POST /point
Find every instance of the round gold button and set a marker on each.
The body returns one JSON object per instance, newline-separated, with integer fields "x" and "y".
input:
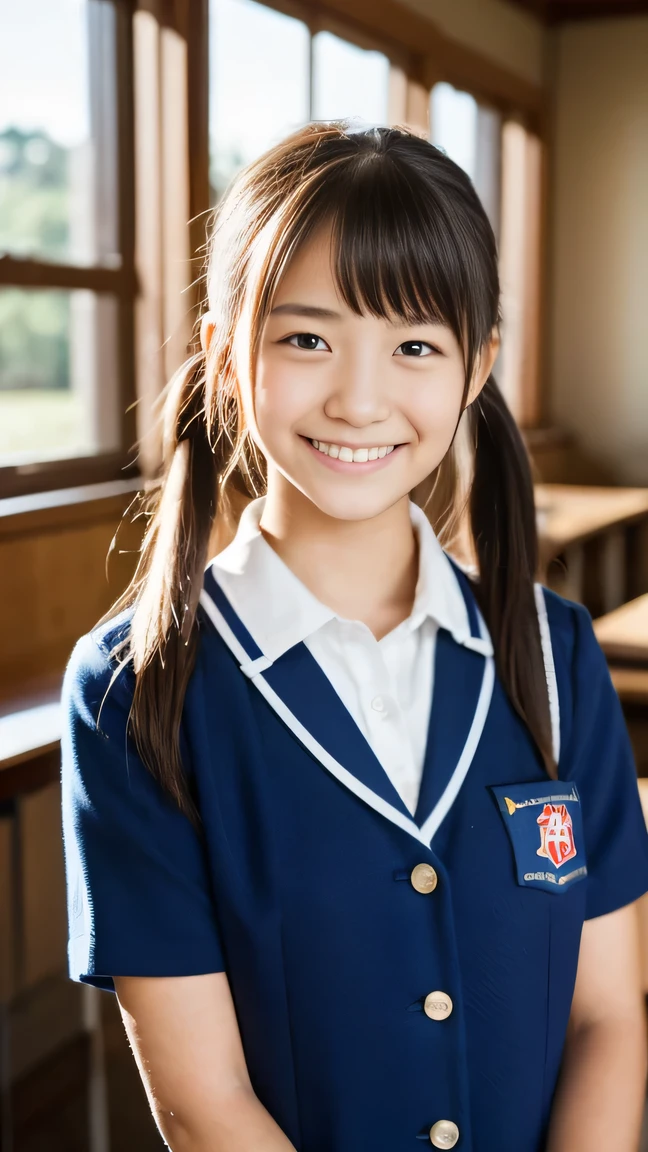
{"x": 424, "y": 878}
{"x": 444, "y": 1134}
{"x": 438, "y": 1005}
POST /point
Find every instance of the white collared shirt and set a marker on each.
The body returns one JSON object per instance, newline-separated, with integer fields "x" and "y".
{"x": 385, "y": 684}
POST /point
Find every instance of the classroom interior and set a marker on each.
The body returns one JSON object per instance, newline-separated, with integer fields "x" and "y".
{"x": 121, "y": 123}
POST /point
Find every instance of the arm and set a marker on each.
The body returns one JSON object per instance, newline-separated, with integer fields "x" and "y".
{"x": 186, "y": 1042}
{"x": 601, "y": 1092}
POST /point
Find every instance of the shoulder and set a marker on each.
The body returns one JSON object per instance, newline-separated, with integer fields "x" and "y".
{"x": 98, "y": 664}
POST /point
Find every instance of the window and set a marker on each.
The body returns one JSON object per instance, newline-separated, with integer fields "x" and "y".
{"x": 64, "y": 371}
{"x": 270, "y": 74}
{"x": 470, "y": 134}
{"x": 58, "y": 374}
{"x": 259, "y": 83}
{"x": 348, "y": 82}
{"x": 503, "y": 159}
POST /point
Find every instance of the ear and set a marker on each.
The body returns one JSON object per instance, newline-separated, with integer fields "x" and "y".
{"x": 207, "y": 328}
{"x": 484, "y": 365}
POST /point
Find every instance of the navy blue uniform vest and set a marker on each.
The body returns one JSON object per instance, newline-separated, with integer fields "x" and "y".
{"x": 301, "y": 885}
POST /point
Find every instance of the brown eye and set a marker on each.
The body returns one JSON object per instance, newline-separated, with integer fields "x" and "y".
{"x": 308, "y": 341}
{"x": 414, "y": 348}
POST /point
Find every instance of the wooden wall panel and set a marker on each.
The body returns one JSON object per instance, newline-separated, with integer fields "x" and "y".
{"x": 6, "y": 963}
{"x": 53, "y": 588}
{"x": 56, "y": 580}
{"x": 44, "y": 912}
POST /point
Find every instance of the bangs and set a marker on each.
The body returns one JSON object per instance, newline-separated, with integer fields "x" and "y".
{"x": 392, "y": 250}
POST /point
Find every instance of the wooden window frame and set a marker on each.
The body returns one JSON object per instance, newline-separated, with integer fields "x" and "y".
{"x": 119, "y": 283}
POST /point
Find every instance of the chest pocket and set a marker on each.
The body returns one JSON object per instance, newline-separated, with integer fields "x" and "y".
{"x": 545, "y": 826}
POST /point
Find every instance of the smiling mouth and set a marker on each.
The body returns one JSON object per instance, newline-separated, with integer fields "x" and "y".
{"x": 352, "y": 455}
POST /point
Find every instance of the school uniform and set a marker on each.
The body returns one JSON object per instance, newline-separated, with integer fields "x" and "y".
{"x": 392, "y": 883}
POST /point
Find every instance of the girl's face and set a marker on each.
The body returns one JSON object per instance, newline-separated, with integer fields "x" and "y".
{"x": 353, "y": 411}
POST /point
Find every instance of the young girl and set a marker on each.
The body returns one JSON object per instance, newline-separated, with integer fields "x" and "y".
{"x": 354, "y": 837}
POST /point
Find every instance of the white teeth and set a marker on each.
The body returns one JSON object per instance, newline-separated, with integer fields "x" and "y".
{"x": 352, "y": 455}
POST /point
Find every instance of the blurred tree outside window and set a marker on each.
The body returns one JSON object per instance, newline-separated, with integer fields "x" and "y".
{"x": 59, "y": 395}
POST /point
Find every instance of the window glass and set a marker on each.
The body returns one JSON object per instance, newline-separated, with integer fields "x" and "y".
{"x": 58, "y": 166}
{"x": 58, "y": 374}
{"x": 348, "y": 82}
{"x": 259, "y": 83}
{"x": 453, "y": 118}
{"x": 470, "y": 133}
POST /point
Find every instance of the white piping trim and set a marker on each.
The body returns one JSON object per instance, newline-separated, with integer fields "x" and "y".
{"x": 427, "y": 831}
{"x": 451, "y": 791}
{"x": 550, "y": 670}
{"x": 253, "y": 667}
{"x": 481, "y": 644}
{"x": 307, "y": 739}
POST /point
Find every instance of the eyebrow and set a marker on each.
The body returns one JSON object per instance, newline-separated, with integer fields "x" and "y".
{"x": 305, "y": 310}
{"x": 314, "y": 312}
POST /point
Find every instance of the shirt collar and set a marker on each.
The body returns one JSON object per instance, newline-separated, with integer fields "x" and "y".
{"x": 279, "y": 611}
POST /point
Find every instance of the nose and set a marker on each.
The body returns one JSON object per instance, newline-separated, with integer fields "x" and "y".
{"x": 357, "y": 394}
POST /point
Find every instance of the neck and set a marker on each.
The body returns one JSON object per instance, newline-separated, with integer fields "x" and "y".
{"x": 362, "y": 569}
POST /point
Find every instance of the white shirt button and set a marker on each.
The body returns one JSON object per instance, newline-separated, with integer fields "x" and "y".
{"x": 378, "y": 704}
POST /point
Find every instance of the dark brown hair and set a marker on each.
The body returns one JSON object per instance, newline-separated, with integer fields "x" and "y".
{"x": 411, "y": 241}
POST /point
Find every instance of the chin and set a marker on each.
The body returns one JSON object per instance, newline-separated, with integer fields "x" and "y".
{"x": 352, "y": 505}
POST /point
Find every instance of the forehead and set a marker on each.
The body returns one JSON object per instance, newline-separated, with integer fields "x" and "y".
{"x": 310, "y": 280}
{"x": 364, "y": 269}
{"x": 310, "y": 274}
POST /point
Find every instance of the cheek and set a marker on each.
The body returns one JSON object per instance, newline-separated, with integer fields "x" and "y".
{"x": 280, "y": 396}
{"x": 434, "y": 407}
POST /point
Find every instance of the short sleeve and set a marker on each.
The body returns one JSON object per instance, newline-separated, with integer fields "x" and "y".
{"x": 139, "y": 899}
{"x": 602, "y": 765}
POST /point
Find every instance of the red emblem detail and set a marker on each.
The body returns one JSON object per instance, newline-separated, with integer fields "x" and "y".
{"x": 556, "y": 834}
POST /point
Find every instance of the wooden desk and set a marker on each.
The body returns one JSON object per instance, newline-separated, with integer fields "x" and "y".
{"x": 623, "y": 634}
{"x": 30, "y": 730}
{"x": 631, "y": 685}
{"x": 570, "y": 516}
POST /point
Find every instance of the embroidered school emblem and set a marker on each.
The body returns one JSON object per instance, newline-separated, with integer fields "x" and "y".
{"x": 556, "y": 834}
{"x": 551, "y": 812}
